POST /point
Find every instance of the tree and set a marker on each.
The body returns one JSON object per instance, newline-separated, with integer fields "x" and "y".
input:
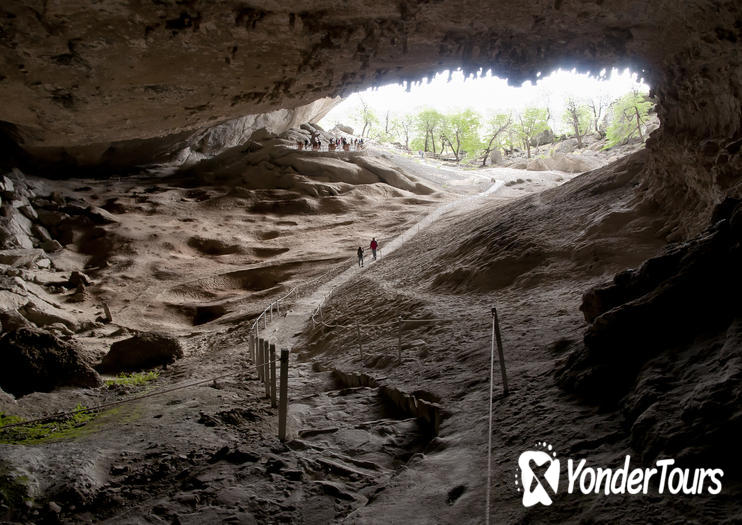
{"x": 530, "y": 123}
{"x": 495, "y": 128}
{"x": 460, "y": 131}
{"x": 598, "y": 104}
{"x": 578, "y": 118}
{"x": 426, "y": 124}
{"x": 630, "y": 113}
{"x": 365, "y": 114}
{"x": 402, "y": 127}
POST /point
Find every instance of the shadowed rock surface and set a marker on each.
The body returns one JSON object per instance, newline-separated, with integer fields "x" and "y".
{"x": 663, "y": 345}
{"x": 140, "y": 352}
{"x": 36, "y": 361}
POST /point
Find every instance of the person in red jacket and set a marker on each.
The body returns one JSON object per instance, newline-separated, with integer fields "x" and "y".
{"x": 374, "y": 246}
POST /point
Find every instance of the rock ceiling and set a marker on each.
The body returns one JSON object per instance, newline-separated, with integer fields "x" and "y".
{"x": 82, "y": 72}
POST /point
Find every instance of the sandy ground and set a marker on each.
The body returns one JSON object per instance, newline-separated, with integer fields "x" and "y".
{"x": 209, "y": 453}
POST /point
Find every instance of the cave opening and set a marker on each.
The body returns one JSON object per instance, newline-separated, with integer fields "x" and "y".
{"x": 480, "y": 119}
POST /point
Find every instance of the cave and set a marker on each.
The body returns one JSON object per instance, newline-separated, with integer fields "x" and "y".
{"x": 146, "y": 161}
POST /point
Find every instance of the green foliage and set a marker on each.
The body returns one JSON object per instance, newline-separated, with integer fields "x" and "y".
{"x": 133, "y": 379}
{"x": 14, "y": 490}
{"x": 630, "y": 113}
{"x": 40, "y": 432}
{"x": 460, "y": 132}
{"x": 529, "y": 124}
{"x": 427, "y": 124}
{"x": 578, "y": 119}
{"x": 495, "y": 134}
{"x": 364, "y": 118}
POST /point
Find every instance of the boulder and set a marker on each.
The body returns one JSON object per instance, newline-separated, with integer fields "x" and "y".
{"x": 11, "y": 320}
{"x": 20, "y": 258}
{"x": 41, "y": 233}
{"x": 77, "y": 279}
{"x": 42, "y": 314}
{"x": 100, "y": 216}
{"x": 6, "y": 186}
{"x": 51, "y": 246}
{"x": 36, "y": 361}
{"x": 50, "y": 218}
{"x": 142, "y": 351}
{"x": 566, "y": 146}
{"x": 344, "y": 128}
{"x": 15, "y": 230}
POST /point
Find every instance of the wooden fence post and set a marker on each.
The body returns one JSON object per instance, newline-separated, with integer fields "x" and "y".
{"x": 283, "y": 394}
{"x": 274, "y": 404}
{"x": 259, "y": 358}
{"x": 500, "y": 352}
{"x": 266, "y": 372}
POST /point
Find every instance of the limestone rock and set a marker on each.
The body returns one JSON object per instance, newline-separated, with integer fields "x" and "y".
{"x": 42, "y": 314}
{"x": 20, "y": 258}
{"x": 677, "y": 315}
{"x": 78, "y": 279}
{"x": 36, "y": 361}
{"x": 50, "y": 218}
{"x": 6, "y": 185}
{"x": 142, "y": 351}
{"x": 345, "y": 129}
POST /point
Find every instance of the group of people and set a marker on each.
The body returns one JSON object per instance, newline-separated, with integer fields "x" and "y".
{"x": 374, "y": 246}
{"x": 316, "y": 144}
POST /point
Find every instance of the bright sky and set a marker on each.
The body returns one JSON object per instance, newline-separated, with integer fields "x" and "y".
{"x": 487, "y": 93}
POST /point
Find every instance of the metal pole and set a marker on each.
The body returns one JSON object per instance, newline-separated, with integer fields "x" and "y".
{"x": 266, "y": 373}
{"x": 271, "y": 312}
{"x": 283, "y": 394}
{"x": 274, "y": 404}
{"x": 399, "y": 338}
{"x": 500, "y": 352}
{"x": 278, "y": 307}
{"x": 489, "y": 434}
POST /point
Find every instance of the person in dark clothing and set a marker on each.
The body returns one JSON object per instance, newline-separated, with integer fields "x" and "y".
{"x": 360, "y": 257}
{"x": 374, "y": 246}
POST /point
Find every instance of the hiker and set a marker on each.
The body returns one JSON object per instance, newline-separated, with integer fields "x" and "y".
{"x": 374, "y": 245}
{"x": 360, "y": 257}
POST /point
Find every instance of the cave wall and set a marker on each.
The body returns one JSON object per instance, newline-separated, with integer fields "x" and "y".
{"x": 82, "y": 73}
{"x": 183, "y": 148}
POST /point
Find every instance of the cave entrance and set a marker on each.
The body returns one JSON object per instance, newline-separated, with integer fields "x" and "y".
{"x": 565, "y": 121}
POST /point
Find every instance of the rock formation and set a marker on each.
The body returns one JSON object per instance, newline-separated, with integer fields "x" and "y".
{"x": 677, "y": 316}
{"x": 142, "y": 351}
{"x": 36, "y": 361}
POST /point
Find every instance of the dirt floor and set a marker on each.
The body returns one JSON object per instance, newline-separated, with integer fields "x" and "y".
{"x": 371, "y": 438}
{"x": 200, "y": 263}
